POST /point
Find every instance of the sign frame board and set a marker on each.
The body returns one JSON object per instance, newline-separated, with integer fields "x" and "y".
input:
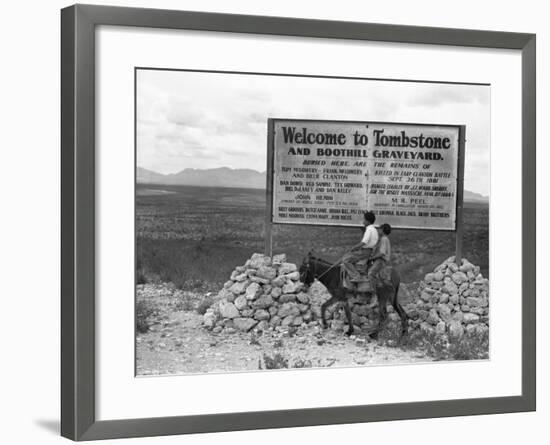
{"x": 271, "y": 176}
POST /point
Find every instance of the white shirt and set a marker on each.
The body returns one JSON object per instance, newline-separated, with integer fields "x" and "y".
{"x": 370, "y": 237}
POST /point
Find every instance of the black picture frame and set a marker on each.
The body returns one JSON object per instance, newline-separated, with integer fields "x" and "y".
{"x": 78, "y": 23}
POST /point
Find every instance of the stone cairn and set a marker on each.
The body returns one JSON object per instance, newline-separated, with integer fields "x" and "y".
{"x": 453, "y": 300}
{"x": 262, "y": 293}
{"x": 266, "y": 294}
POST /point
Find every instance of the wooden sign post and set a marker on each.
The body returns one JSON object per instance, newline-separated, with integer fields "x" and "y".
{"x": 460, "y": 194}
{"x": 269, "y": 190}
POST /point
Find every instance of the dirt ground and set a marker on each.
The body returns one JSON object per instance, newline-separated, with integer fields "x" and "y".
{"x": 176, "y": 343}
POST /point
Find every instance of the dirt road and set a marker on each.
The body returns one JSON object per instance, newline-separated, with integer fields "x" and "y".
{"x": 178, "y": 344}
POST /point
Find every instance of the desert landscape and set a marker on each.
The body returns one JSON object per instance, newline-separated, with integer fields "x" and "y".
{"x": 189, "y": 240}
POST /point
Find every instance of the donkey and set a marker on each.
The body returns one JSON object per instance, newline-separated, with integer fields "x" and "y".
{"x": 386, "y": 289}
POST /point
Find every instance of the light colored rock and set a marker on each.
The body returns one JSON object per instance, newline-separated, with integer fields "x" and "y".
{"x": 287, "y": 321}
{"x": 425, "y": 327}
{"x": 433, "y": 318}
{"x": 263, "y": 302}
{"x": 429, "y": 278}
{"x": 244, "y": 324}
{"x": 458, "y": 316}
{"x": 228, "y": 284}
{"x": 303, "y": 298}
{"x": 241, "y": 277}
{"x": 481, "y": 329}
{"x": 456, "y": 330}
{"x": 224, "y": 293}
{"x": 477, "y": 310}
{"x": 266, "y": 272}
{"x": 209, "y": 319}
{"x": 261, "y": 314}
{"x": 423, "y": 315}
{"x": 426, "y": 296}
{"x": 252, "y": 291}
{"x": 228, "y": 310}
{"x": 287, "y": 268}
{"x": 471, "y": 318}
{"x": 460, "y": 277}
{"x": 292, "y": 287}
{"x": 285, "y": 298}
{"x": 288, "y": 309}
{"x": 463, "y": 287}
{"x": 258, "y": 260}
{"x": 294, "y": 276}
{"x": 239, "y": 287}
{"x": 241, "y": 302}
{"x": 247, "y": 312}
{"x": 262, "y": 326}
{"x": 444, "y": 312}
{"x": 279, "y": 259}
{"x": 297, "y": 321}
{"x": 474, "y": 302}
{"x": 454, "y": 299}
{"x": 276, "y": 292}
{"x": 279, "y": 281}
{"x": 450, "y": 288}
{"x": 440, "y": 328}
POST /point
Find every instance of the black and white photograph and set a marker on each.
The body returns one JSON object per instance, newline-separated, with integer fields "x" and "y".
{"x": 287, "y": 221}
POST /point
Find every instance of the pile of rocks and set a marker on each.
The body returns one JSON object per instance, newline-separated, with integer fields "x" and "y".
{"x": 453, "y": 300}
{"x": 265, "y": 292}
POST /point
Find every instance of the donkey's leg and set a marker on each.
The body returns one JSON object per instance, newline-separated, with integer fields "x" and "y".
{"x": 382, "y": 312}
{"x": 400, "y": 311}
{"x": 348, "y": 314}
{"x": 402, "y": 314}
{"x": 324, "y": 307}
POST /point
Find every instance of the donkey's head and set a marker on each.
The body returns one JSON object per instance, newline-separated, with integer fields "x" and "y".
{"x": 307, "y": 272}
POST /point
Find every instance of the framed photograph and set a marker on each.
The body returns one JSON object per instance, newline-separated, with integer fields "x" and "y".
{"x": 253, "y": 206}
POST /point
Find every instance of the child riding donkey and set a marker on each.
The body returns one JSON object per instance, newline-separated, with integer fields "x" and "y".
{"x": 374, "y": 249}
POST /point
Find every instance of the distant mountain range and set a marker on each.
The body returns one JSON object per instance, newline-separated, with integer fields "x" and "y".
{"x": 474, "y": 197}
{"x": 228, "y": 177}
{"x": 213, "y": 177}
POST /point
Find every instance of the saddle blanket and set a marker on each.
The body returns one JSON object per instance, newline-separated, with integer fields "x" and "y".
{"x": 383, "y": 277}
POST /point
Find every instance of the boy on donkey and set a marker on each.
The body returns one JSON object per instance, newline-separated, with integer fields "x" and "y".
{"x": 363, "y": 250}
{"x": 382, "y": 252}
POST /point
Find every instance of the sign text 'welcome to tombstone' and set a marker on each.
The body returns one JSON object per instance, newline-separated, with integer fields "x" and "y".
{"x": 331, "y": 172}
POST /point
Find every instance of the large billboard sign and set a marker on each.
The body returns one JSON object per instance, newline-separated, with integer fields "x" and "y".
{"x": 331, "y": 172}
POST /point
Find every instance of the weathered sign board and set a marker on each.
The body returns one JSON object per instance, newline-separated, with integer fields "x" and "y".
{"x": 331, "y": 172}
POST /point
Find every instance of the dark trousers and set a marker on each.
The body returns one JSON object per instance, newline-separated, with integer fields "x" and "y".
{"x": 350, "y": 258}
{"x": 375, "y": 267}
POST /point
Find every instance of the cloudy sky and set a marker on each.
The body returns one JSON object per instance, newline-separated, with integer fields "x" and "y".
{"x": 208, "y": 120}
